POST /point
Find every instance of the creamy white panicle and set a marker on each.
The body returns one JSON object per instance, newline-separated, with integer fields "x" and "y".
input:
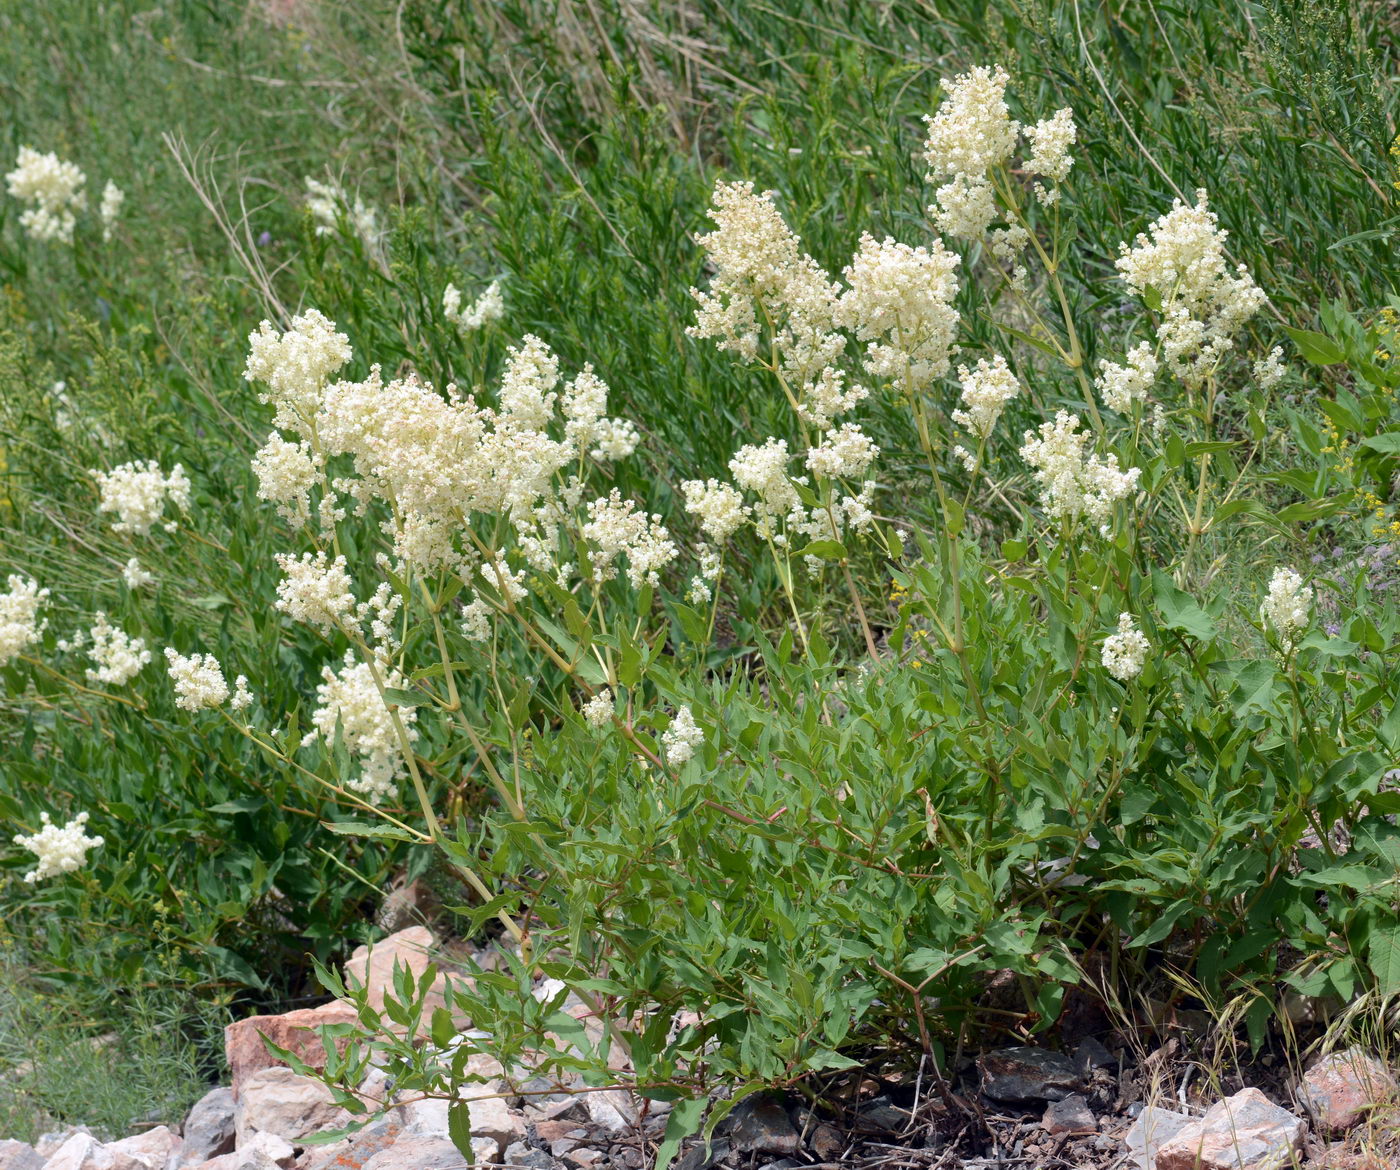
{"x": 54, "y": 187}
{"x": 845, "y": 453}
{"x": 720, "y": 507}
{"x": 351, "y": 701}
{"x": 317, "y": 591}
{"x": 107, "y": 211}
{"x": 117, "y": 656}
{"x": 138, "y": 493}
{"x": 198, "y": 678}
{"x": 986, "y": 390}
{"x": 620, "y": 529}
{"x": 487, "y": 307}
{"x": 20, "y": 625}
{"x": 59, "y": 849}
{"x": 598, "y": 711}
{"x": 1286, "y": 608}
{"x": 681, "y": 738}
{"x": 1204, "y": 304}
{"x": 135, "y": 576}
{"x": 764, "y": 471}
{"x": 1270, "y": 369}
{"x": 971, "y": 133}
{"x": 1050, "y": 141}
{"x": 286, "y": 473}
{"x": 900, "y": 302}
{"x": 1121, "y": 386}
{"x": 1073, "y": 481}
{"x": 327, "y": 202}
{"x": 1125, "y": 652}
{"x": 295, "y": 366}
{"x": 764, "y": 283}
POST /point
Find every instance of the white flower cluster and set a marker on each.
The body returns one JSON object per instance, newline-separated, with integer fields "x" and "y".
{"x": 59, "y": 850}
{"x": 845, "y": 453}
{"x": 1286, "y": 608}
{"x": 107, "y": 211}
{"x": 20, "y": 625}
{"x": 135, "y": 576}
{"x": 327, "y": 202}
{"x": 1121, "y": 386}
{"x": 1075, "y": 482}
{"x": 199, "y": 680}
{"x": 681, "y": 738}
{"x": 985, "y": 392}
{"x": 972, "y": 135}
{"x": 316, "y": 591}
{"x": 118, "y": 657}
{"x": 138, "y": 492}
{"x": 54, "y": 187}
{"x": 1182, "y": 257}
{"x": 598, "y": 711}
{"x": 620, "y": 529}
{"x": 286, "y": 474}
{"x": 1125, "y": 652}
{"x": 350, "y": 700}
{"x": 900, "y": 302}
{"x": 1270, "y": 369}
{"x": 487, "y": 307}
{"x": 296, "y": 366}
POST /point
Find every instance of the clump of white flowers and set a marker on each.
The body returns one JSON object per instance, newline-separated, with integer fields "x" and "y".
{"x": 107, "y": 211}
{"x": 620, "y": 529}
{"x": 54, "y": 187}
{"x": 317, "y": 591}
{"x": 489, "y": 306}
{"x": 1050, "y": 141}
{"x": 1125, "y": 652}
{"x": 296, "y": 366}
{"x": 286, "y": 473}
{"x": 598, "y": 711}
{"x": 350, "y": 700}
{"x": 59, "y": 849}
{"x": 138, "y": 493}
{"x": 20, "y": 624}
{"x": 198, "y": 678}
{"x": 135, "y": 576}
{"x": 1286, "y": 608}
{"x": 845, "y": 453}
{"x": 1122, "y": 385}
{"x": 116, "y": 655}
{"x": 985, "y": 392}
{"x": 1203, "y": 303}
{"x": 1269, "y": 370}
{"x": 327, "y": 202}
{"x": 1073, "y": 481}
{"x": 681, "y": 738}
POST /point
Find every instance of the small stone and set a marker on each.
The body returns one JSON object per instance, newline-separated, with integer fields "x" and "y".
{"x": 553, "y": 1131}
{"x": 584, "y": 1158}
{"x": 1153, "y": 1128}
{"x": 561, "y": 1146}
{"x": 1072, "y": 1115}
{"x": 1339, "y": 1089}
{"x": 1243, "y": 1132}
{"x": 19, "y": 1156}
{"x": 762, "y": 1125}
{"x": 153, "y": 1150}
{"x": 50, "y": 1143}
{"x": 492, "y": 1118}
{"x": 880, "y": 1116}
{"x": 826, "y": 1142}
{"x": 279, "y": 1101}
{"x": 295, "y": 1031}
{"x": 610, "y": 1108}
{"x": 570, "y": 1108}
{"x": 519, "y": 1154}
{"x": 1091, "y": 1055}
{"x": 209, "y": 1127}
{"x": 1018, "y": 1075}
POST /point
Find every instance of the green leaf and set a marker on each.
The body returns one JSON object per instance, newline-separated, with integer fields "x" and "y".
{"x": 684, "y": 1121}
{"x": 1317, "y": 348}
{"x": 1383, "y": 955}
{"x": 827, "y": 550}
{"x": 1180, "y": 610}
{"x": 356, "y": 829}
{"x": 402, "y": 698}
{"x": 1386, "y": 444}
{"x": 459, "y": 1128}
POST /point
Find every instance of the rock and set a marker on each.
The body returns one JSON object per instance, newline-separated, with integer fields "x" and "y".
{"x": 81, "y": 1151}
{"x": 1153, "y": 1128}
{"x": 50, "y": 1143}
{"x": 762, "y": 1125}
{"x": 554, "y": 1131}
{"x": 294, "y": 1031}
{"x": 826, "y": 1142}
{"x": 571, "y": 1108}
{"x": 278, "y": 1101}
{"x": 373, "y": 969}
{"x": 419, "y": 1152}
{"x": 1243, "y": 1132}
{"x": 153, "y": 1150}
{"x": 19, "y": 1156}
{"x": 1339, "y": 1089}
{"x": 1019, "y": 1075}
{"x": 1072, "y": 1115}
{"x": 584, "y": 1158}
{"x": 491, "y": 1118}
{"x": 262, "y": 1151}
{"x": 1091, "y": 1055}
{"x": 519, "y": 1154}
{"x": 209, "y": 1127}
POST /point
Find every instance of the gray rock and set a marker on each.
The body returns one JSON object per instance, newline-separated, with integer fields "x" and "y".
{"x": 519, "y": 1154}
{"x": 1091, "y": 1055}
{"x": 418, "y": 1153}
{"x": 19, "y": 1156}
{"x": 1021, "y": 1075}
{"x": 48, "y": 1143}
{"x": 1072, "y": 1115}
{"x": 1153, "y": 1128}
{"x": 761, "y": 1125}
{"x": 209, "y": 1127}
{"x": 278, "y": 1101}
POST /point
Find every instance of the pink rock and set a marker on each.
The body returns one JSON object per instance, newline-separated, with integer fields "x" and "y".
{"x": 278, "y": 1101}
{"x": 418, "y": 1153}
{"x": 295, "y": 1031}
{"x": 1071, "y": 1115}
{"x": 152, "y": 1150}
{"x": 81, "y": 1151}
{"x": 373, "y": 969}
{"x": 1243, "y": 1132}
{"x": 1339, "y": 1089}
{"x": 19, "y": 1156}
